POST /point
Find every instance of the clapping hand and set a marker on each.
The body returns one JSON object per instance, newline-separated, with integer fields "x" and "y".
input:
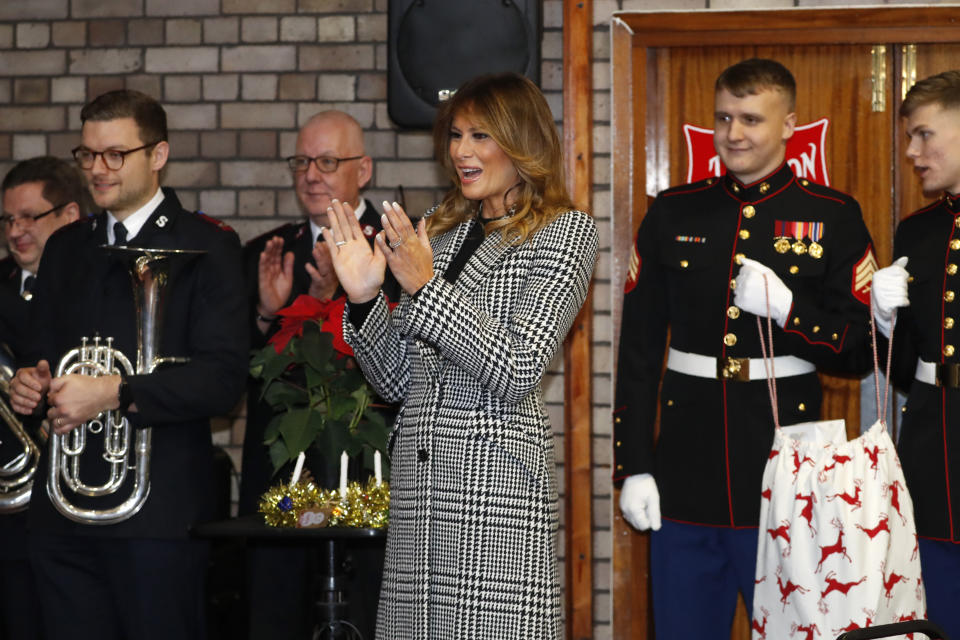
{"x": 359, "y": 268}
{"x": 408, "y": 251}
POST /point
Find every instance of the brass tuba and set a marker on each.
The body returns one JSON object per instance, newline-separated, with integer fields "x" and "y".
{"x": 16, "y": 475}
{"x": 149, "y": 271}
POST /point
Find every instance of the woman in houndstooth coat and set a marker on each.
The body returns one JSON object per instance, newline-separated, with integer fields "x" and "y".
{"x": 492, "y": 282}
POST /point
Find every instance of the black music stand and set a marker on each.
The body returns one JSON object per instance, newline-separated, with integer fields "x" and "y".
{"x": 331, "y": 600}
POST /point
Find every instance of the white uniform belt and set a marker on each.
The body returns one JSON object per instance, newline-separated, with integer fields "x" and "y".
{"x": 740, "y": 369}
{"x": 941, "y": 375}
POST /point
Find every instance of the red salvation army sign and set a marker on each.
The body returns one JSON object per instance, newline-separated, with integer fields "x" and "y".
{"x": 805, "y": 153}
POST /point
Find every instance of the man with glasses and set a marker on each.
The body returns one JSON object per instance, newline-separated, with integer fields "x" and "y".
{"x": 329, "y": 163}
{"x": 40, "y": 195}
{"x": 141, "y": 577}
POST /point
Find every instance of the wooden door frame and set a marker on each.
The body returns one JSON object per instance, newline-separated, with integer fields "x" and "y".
{"x": 635, "y": 149}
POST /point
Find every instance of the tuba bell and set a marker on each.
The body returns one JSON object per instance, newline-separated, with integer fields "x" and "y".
{"x": 149, "y": 270}
{"x": 16, "y": 475}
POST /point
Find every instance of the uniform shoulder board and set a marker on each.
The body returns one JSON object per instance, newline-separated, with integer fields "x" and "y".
{"x": 819, "y": 189}
{"x": 699, "y": 185}
{"x": 223, "y": 226}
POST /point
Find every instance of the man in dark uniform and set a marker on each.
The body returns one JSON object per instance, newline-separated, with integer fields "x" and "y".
{"x": 280, "y": 265}
{"x": 926, "y": 348}
{"x": 697, "y": 272}
{"x": 141, "y": 577}
{"x": 40, "y": 195}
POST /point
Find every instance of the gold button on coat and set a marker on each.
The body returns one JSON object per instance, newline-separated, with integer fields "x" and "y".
{"x": 949, "y": 296}
{"x": 796, "y": 322}
{"x": 816, "y": 329}
{"x": 669, "y": 403}
{"x": 733, "y": 284}
{"x": 955, "y": 244}
{"x": 744, "y": 234}
{"x": 834, "y": 336}
{"x": 764, "y": 187}
{"x": 749, "y": 211}
{"x": 801, "y": 407}
{"x": 684, "y": 264}
{"x": 730, "y": 339}
{"x": 794, "y": 268}
{"x": 733, "y": 312}
{"x": 739, "y": 258}
{"x": 948, "y": 351}
{"x": 957, "y": 222}
{"x": 948, "y": 323}
{"x": 952, "y": 269}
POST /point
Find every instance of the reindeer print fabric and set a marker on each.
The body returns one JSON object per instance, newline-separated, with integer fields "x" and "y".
{"x": 838, "y": 546}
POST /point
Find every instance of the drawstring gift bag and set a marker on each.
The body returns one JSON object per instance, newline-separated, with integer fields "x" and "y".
{"x": 837, "y": 542}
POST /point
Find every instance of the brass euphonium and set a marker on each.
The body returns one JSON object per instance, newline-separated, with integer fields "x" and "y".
{"x": 16, "y": 475}
{"x": 149, "y": 271}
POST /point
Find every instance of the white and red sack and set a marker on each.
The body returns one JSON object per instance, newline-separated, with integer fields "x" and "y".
{"x": 837, "y": 541}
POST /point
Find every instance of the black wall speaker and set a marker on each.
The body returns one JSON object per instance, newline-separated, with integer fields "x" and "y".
{"x": 437, "y": 45}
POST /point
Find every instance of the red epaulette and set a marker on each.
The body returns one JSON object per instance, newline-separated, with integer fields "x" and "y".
{"x": 223, "y": 226}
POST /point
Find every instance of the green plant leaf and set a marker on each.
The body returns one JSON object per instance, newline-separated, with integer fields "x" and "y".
{"x": 373, "y": 434}
{"x": 342, "y": 405}
{"x": 316, "y": 348}
{"x": 281, "y": 395}
{"x": 294, "y": 426}
{"x": 274, "y": 364}
{"x": 334, "y": 439}
{"x": 279, "y": 455}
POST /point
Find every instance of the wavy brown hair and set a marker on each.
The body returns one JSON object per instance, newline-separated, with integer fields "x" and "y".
{"x": 513, "y": 112}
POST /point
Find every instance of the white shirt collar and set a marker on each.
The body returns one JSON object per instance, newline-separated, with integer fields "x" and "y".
{"x": 315, "y": 228}
{"x": 24, "y": 274}
{"x": 135, "y": 221}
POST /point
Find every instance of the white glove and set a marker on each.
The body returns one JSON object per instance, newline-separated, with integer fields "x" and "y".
{"x": 751, "y": 296}
{"x": 640, "y": 502}
{"x": 889, "y": 291}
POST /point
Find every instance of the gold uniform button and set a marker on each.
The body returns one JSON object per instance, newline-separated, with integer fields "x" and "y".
{"x": 816, "y": 329}
{"x": 684, "y": 264}
{"x": 957, "y": 222}
{"x": 805, "y": 182}
{"x": 764, "y": 187}
{"x": 948, "y": 351}
{"x": 619, "y": 467}
{"x": 955, "y": 244}
{"x": 744, "y": 234}
{"x": 909, "y": 278}
{"x": 617, "y": 420}
{"x": 736, "y": 189}
{"x": 834, "y": 336}
{"x": 949, "y": 295}
{"x": 801, "y": 407}
{"x": 794, "y": 268}
{"x": 733, "y": 284}
{"x": 796, "y": 322}
{"x": 730, "y": 339}
{"x": 669, "y": 403}
{"x": 749, "y": 211}
{"x": 733, "y": 312}
{"x": 952, "y": 269}
{"x": 711, "y": 180}
{"x": 903, "y": 409}
{"x": 619, "y": 443}
{"x": 948, "y": 323}
{"x": 739, "y": 258}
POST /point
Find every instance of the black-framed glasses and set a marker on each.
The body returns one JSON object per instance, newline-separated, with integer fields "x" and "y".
{"x": 326, "y": 164}
{"x": 112, "y": 158}
{"x": 27, "y": 221}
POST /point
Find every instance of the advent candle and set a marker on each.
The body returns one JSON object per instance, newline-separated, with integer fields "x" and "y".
{"x": 343, "y": 474}
{"x": 297, "y": 469}
{"x": 376, "y": 468}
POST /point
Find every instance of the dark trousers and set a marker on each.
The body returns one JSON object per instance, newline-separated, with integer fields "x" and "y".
{"x": 120, "y": 588}
{"x": 19, "y": 598}
{"x": 940, "y": 562}
{"x": 696, "y": 572}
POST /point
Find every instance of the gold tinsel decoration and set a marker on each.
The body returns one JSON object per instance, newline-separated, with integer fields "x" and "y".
{"x": 365, "y": 506}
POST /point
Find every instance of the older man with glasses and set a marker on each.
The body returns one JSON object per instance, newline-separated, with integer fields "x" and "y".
{"x": 40, "y": 195}
{"x": 329, "y": 164}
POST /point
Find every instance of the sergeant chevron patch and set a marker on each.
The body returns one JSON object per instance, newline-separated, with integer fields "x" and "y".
{"x": 633, "y": 271}
{"x": 863, "y": 276}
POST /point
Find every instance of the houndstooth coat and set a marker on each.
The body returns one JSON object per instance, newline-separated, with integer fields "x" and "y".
{"x": 471, "y": 548}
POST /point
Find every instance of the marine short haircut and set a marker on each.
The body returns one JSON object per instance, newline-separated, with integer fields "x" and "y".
{"x": 942, "y": 89}
{"x": 752, "y": 76}
{"x": 62, "y": 181}
{"x": 150, "y": 117}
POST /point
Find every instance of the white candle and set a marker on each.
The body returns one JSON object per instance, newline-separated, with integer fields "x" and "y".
{"x": 297, "y": 469}
{"x": 376, "y": 468}
{"x": 343, "y": 474}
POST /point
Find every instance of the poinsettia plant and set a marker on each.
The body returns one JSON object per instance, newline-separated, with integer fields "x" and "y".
{"x": 315, "y": 387}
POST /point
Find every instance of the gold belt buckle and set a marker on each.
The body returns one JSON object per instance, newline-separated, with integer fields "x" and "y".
{"x": 736, "y": 369}
{"x": 948, "y": 375}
